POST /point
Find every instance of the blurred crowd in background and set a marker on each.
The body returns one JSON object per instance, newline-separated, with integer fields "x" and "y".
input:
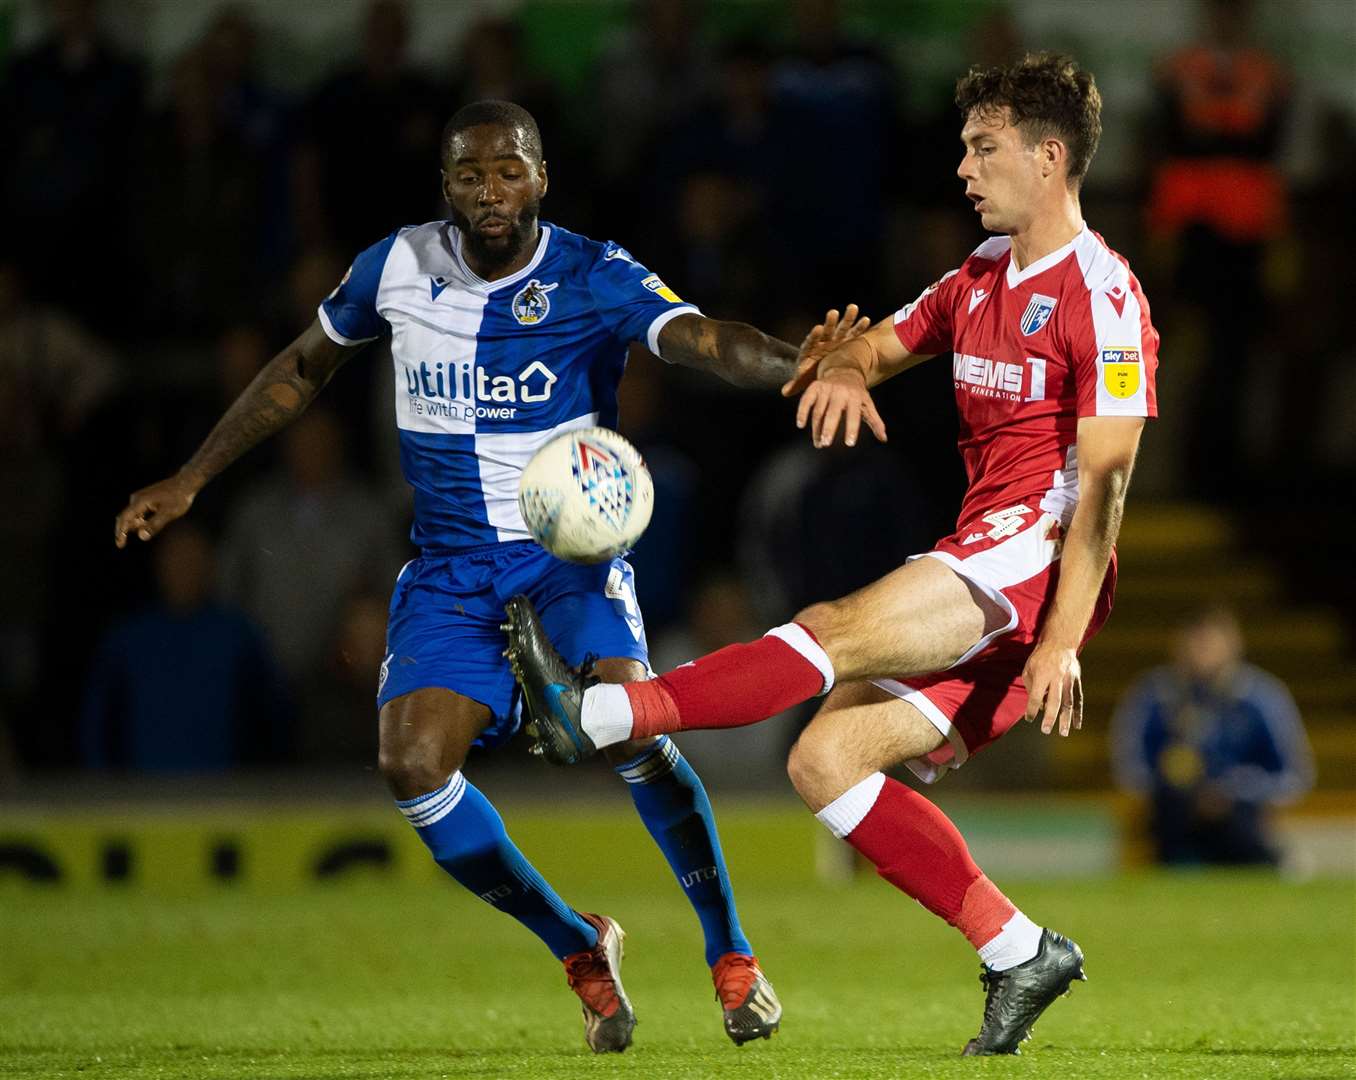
{"x": 168, "y": 226}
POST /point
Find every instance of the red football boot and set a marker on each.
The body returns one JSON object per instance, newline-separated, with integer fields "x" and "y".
{"x": 595, "y": 976}
{"x": 752, "y": 1010}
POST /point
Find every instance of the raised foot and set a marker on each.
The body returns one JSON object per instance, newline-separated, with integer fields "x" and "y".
{"x": 553, "y": 692}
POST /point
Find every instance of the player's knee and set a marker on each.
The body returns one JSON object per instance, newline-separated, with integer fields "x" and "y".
{"x": 410, "y": 769}
{"x": 814, "y": 767}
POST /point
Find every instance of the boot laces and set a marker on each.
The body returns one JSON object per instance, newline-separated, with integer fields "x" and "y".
{"x": 590, "y": 977}
{"x": 734, "y": 974}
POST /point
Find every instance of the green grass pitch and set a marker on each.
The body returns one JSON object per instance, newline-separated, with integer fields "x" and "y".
{"x": 1226, "y": 976}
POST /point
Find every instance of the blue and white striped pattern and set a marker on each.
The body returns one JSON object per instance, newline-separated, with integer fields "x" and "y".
{"x": 479, "y": 387}
{"x": 429, "y": 809}
{"x": 659, "y": 760}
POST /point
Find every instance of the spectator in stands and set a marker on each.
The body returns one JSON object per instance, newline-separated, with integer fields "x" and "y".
{"x": 841, "y": 91}
{"x": 369, "y": 133}
{"x": 201, "y": 211}
{"x": 256, "y": 113}
{"x": 1219, "y": 200}
{"x": 186, "y": 685}
{"x": 299, "y": 545}
{"x": 491, "y": 64}
{"x": 816, "y": 523}
{"x": 54, "y": 378}
{"x": 71, "y": 108}
{"x": 647, "y": 77}
{"x": 720, "y": 171}
{"x": 1214, "y": 743}
{"x": 337, "y": 724}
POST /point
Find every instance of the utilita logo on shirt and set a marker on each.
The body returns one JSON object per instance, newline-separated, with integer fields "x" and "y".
{"x": 466, "y": 391}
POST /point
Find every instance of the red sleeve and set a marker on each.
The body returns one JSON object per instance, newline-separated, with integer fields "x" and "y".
{"x": 924, "y": 327}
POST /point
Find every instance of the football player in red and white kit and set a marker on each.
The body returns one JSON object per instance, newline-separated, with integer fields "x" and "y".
{"x": 1053, "y": 355}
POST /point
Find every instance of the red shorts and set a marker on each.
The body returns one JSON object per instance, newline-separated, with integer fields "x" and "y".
{"x": 1012, "y": 556}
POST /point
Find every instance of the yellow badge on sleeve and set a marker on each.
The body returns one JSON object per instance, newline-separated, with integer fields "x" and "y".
{"x": 1120, "y": 372}
{"x": 656, "y": 286}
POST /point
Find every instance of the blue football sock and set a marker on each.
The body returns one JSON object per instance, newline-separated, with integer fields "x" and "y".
{"x": 672, "y": 802}
{"x": 467, "y": 838}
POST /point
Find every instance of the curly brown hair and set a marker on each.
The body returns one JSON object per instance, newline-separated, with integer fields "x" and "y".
{"x": 1047, "y": 95}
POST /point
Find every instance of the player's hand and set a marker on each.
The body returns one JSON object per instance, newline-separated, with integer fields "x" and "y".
{"x": 1054, "y": 688}
{"x": 822, "y": 340}
{"x": 152, "y": 508}
{"x": 839, "y": 396}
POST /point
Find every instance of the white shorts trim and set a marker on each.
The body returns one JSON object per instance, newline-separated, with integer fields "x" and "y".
{"x": 928, "y": 771}
{"x": 1010, "y": 563}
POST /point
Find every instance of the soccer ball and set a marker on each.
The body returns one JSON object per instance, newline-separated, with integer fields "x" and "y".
{"x": 586, "y": 495}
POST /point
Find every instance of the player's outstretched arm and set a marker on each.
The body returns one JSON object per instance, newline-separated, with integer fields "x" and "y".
{"x": 738, "y": 353}
{"x": 276, "y": 397}
{"x": 838, "y": 392}
{"x": 1053, "y": 679}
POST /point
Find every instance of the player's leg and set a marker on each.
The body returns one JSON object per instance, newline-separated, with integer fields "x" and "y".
{"x": 425, "y": 736}
{"x": 593, "y": 610}
{"x": 838, "y": 767}
{"x": 920, "y": 618}
{"x": 672, "y": 802}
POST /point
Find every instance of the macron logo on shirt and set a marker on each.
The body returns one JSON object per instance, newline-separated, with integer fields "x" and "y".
{"x": 437, "y": 285}
{"x": 1117, "y": 298}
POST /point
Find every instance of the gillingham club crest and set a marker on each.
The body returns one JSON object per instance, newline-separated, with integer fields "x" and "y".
{"x": 532, "y": 303}
{"x": 1037, "y": 313}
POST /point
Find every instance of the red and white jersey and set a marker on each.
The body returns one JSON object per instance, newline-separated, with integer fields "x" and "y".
{"x": 1034, "y": 351}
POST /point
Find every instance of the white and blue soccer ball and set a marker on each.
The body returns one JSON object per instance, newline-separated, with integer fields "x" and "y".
{"x": 586, "y": 495}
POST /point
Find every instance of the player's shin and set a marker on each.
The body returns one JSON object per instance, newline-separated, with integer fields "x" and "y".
{"x": 916, "y": 848}
{"x": 733, "y": 687}
{"x": 467, "y": 838}
{"x": 672, "y": 802}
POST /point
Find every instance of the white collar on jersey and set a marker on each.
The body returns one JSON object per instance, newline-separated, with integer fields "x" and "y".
{"x": 1016, "y": 277}
{"x": 479, "y": 284}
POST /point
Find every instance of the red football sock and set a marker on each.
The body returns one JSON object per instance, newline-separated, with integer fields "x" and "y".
{"x": 916, "y": 848}
{"x": 738, "y": 685}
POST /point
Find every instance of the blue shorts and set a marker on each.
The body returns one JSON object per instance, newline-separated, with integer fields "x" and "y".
{"x": 446, "y": 611}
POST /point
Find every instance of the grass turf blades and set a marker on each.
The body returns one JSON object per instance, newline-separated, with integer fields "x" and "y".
{"x": 1230, "y": 975}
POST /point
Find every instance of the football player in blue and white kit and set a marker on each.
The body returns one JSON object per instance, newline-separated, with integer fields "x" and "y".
{"x": 506, "y": 331}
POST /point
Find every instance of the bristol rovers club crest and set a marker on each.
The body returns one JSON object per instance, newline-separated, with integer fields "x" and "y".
{"x": 532, "y": 303}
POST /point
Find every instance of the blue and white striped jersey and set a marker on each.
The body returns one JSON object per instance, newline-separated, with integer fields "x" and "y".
{"x": 488, "y": 371}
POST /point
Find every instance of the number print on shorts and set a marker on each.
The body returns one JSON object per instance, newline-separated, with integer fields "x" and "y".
{"x": 1007, "y": 522}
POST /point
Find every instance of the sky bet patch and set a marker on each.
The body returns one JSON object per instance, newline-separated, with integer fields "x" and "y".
{"x": 660, "y": 289}
{"x": 1120, "y": 372}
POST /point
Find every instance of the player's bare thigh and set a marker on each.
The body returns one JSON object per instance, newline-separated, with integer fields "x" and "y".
{"x": 859, "y": 730}
{"x": 424, "y": 737}
{"x": 918, "y": 619}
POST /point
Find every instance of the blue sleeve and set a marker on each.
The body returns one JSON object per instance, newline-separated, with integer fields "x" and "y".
{"x": 349, "y": 314}
{"x": 632, "y": 302}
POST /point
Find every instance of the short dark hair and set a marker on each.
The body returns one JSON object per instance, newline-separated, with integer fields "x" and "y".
{"x": 1046, "y": 94}
{"x": 500, "y": 113}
